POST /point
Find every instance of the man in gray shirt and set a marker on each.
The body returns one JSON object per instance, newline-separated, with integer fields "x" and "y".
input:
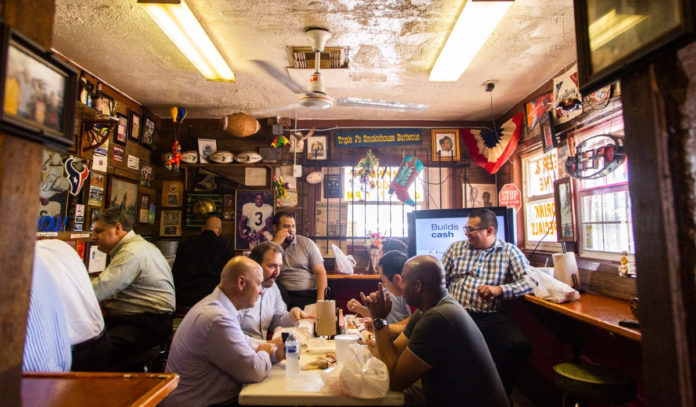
{"x": 137, "y": 288}
{"x": 269, "y": 311}
{"x": 303, "y": 276}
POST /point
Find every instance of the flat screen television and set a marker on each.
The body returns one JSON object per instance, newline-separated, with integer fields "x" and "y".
{"x": 432, "y": 231}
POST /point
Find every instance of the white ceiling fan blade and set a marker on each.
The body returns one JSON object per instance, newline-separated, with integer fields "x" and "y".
{"x": 381, "y": 104}
{"x": 280, "y": 76}
{"x": 274, "y": 110}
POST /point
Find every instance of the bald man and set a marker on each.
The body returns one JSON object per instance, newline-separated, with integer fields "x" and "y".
{"x": 441, "y": 343}
{"x": 210, "y": 352}
{"x": 198, "y": 264}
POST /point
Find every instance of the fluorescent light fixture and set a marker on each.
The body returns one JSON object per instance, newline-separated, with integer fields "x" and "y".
{"x": 182, "y": 27}
{"x": 475, "y": 24}
{"x": 610, "y": 26}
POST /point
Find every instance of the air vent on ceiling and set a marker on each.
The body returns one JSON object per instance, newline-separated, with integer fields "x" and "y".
{"x": 331, "y": 58}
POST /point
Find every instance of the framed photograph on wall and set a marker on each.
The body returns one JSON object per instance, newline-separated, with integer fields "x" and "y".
{"x": 170, "y": 224}
{"x": 565, "y": 220}
{"x": 148, "y": 133}
{"x": 254, "y": 211}
{"x": 445, "y": 144}
{"x": 133, "y": 125}
{"x": 143, "y": 209}
{"x": 39, "y": 91}
{"x": 548, "y": 141}
{"x": 121, "y": 135}
{"x": 612, "y": 36}
{"x": 172, "y": 193}
{"x": 317, "y": 148}
{"x": 123, "y": 193}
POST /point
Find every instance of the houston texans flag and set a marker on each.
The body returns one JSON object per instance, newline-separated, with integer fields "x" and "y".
{"x": 489, "y": 150}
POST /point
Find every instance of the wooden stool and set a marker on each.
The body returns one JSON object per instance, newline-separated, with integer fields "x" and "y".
{"x": 582, "y": 381}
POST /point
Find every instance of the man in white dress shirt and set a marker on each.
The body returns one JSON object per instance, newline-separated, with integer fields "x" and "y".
{"x": 210, "y": 352}
{"x": 88, "y": 339}
{"x": 269, "y": 311}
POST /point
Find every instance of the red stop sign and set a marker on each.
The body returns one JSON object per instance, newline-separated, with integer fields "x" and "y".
{"x": 510, "y": 196}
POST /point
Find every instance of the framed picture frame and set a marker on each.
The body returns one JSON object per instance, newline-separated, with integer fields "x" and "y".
{"x": 565, "y": 211}
{"x": 332, "y": 186}
{"x": 317, "y": 148}
{"x": 254, "y": 211}
{"x": 548, "y": 140}
{"x": 123, "y": 193}
{"x": 172, "y": 194}
{"x": 143, "y": 207}
{"x": 146, "y": 176}
{"x": 206, "y": 147}
{"x": 133, "y": 125}
{"x": 147, "y": 136}
{"x": 445, "y": 144}
{"x": 480, "y": 195}
{"x": 38, "y": 92}
{"x": 121, "y": 135}
{"x": 170, "y": 224}
{"x": 646, "y": 27}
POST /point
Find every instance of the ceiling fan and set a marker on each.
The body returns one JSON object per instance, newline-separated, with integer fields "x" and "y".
{"x": 315, "y": 96}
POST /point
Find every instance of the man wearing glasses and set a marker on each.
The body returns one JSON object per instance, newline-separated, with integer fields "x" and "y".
{"x": 482, "y": 272}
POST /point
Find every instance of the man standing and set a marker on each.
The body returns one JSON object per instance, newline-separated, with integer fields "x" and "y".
{"x": 481, "y": 273}
{"x": 441, "y": 343}
{"x": 88, "y": 339}
{"x": 136, "y": 287}
{"x": 210, "y": 352}
{"x": 255, "y": 222}
{"x": 198, "y": 264}
{"x": 303, "y": 275}
{"x": 269, "y": 311}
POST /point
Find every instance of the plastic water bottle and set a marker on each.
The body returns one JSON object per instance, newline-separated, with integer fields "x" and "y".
{"x": 292, "y": 356}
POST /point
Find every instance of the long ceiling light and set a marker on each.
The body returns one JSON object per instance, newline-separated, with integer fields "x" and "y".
{"x": 182, "y": 27}
{"x": 475, "y": 24}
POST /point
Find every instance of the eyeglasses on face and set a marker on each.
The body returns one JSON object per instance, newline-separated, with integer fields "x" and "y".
{"x": 470, "y": 229}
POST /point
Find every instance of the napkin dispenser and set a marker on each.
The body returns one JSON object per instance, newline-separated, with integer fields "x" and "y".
{"x": 325, "y": 318}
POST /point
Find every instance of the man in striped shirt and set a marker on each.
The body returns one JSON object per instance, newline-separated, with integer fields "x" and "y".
{"x": 482, "y": 272}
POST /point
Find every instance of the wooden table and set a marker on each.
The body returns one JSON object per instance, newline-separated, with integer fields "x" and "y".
{"x": 304, "y": 390}
{"x": 594, "y": 309}
{"x": 96, "y": 389}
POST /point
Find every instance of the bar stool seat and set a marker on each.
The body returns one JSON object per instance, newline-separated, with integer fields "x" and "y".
{"x": 583, "y": 381}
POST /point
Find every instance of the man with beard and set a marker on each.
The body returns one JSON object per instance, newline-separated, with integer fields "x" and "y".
{"x": 441, "y": 343}
{"x": 303, "y": 276}
{"x": 269, "y": 311}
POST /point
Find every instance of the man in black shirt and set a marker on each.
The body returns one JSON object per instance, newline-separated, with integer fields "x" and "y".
{"x": 198, "y": 264}
{"x": 441, "y": 343}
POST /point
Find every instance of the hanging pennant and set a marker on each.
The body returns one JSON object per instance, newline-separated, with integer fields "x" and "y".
{"x": 491, "y": 150}
{"x": 407, "y": 173}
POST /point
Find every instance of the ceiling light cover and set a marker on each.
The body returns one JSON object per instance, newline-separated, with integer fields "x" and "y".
{"x": 181, "y": 26}
{"x": 475, "y": 24}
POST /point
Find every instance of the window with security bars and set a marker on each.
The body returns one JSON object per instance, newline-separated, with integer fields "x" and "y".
{"x": 366, "y": 208}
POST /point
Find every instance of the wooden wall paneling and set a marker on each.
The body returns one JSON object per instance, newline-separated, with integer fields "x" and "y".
{"x": 656, "y": 119}
{"x": 20, "y": 169}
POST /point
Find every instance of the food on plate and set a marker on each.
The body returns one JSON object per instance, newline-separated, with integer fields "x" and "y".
{"x": 322, "y": 363}
{"x": 365, "y": 337}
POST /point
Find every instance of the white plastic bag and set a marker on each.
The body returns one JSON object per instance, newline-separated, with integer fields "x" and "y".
{"x": 345, "y": 264}
{"x": 550, "y": 289}
{"x": 361, "y": 376}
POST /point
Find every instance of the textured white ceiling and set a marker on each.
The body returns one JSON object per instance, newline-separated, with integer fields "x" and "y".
{"x": 392, "y": 45}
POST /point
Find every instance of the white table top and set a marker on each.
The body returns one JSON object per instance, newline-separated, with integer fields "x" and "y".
{"x": 304, "y": 389}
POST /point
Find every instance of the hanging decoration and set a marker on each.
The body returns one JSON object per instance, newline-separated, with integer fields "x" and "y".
{"x": 366, "y": 170}
{"x": 279, "y": 141}
{"x": 405, "y": 175}
{"x": 240, "y": 124}
{"x": 491, "y": 150}
{"x": 596, "y": 157}
{"x": 77, "y": 174}
{"x": 280, "y": 187}
{"x": 178, "y": 116}
{"x": 174, "y": 162}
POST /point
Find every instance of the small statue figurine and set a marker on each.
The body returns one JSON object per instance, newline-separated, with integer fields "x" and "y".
{"x": 623, "y": 268}
{"x": 174, "y": 162}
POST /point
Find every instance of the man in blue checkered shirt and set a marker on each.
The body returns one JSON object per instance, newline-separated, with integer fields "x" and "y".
{"x": 481, "y": 273}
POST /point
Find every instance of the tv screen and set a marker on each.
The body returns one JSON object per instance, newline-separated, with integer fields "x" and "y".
{"x": 432, "y": 231}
